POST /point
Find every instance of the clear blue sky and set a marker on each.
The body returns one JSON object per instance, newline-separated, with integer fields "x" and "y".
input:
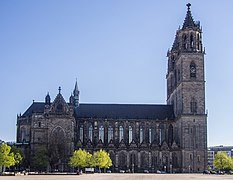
{"x": 115, "y": 48}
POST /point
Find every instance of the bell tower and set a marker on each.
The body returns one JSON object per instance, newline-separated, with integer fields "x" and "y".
{"x": 185, "y": 74}
{"x": 186, "y": 92}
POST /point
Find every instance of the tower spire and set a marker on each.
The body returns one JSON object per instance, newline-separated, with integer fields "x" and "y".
{"x": 188, "y": 22}
{"x": 76, "y": 94}
{"x": 76, "y": 90}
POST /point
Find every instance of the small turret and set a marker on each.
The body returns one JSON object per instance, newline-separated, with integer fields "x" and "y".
{"x": 71, "y": 99}
{"x": 47, "y": 99}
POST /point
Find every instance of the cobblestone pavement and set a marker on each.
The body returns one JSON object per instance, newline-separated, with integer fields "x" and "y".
{"x": 119, "y": 177}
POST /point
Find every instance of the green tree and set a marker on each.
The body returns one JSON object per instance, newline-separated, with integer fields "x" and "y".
{"x": 81, "y": 159}
{"x": 18, "y": 154}
{"x": 222, "y": 161}
{"x": 41, "y": 160}
{"x": 7, "y": 158}
{"x": 102, "y": 159}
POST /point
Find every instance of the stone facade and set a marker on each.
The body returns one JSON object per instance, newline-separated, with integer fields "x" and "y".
{"x": 171, "y": 138}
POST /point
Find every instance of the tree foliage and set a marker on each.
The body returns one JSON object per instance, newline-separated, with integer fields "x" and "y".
{"x": 7, "y": 158}
{"x": 82, "y": 158}
{"x": 40, "y": 160}
{"x": 222, "y": 161}
{"x": 102, "y": 159}
{"x": 18, "y": 154}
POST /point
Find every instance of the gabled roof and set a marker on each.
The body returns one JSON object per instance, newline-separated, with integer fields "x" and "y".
{"x": 114, "y": 111}
{"x": 36, "y": 107}
{"x": 125, "y": 111}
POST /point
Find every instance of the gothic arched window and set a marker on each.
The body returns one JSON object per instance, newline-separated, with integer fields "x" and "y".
{"x": 161, "y": 133}
{"x": 90, "y": 132}
{"x": 192, "y": 70}
{"x": 184, "y": 38}
{"x": 150, "y": 135}
{"x": 110, "y": 133}
{"x": 170, "y": 134}
{"x": 81, "y": 133}
{"x": 193, "y": 106}
{"x": 121, "y": 133}
{"x": 198, "y": 41}
{"x": 101, "y": 133}
{"x": 191, "y": 41}
{"x": 23, "y": 134}
{"x": 130, "y": 134}
{"x": 141, "y": 134}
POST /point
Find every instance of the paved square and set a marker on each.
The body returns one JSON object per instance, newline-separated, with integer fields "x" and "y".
{"x": 119, "y": 177}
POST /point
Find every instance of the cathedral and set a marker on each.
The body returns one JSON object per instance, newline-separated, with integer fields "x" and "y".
{"x": 171, "y": 137}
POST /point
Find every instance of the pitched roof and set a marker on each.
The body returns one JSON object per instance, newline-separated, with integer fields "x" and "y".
{"x": 113, "y": 111}
{"x": 36, "y": 107}
{"x": 125, "y": 111}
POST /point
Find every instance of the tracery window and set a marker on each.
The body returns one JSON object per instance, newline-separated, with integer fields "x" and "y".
{"x": 184, "y": 41}
{"x": 130, "y": 134}
{"x": 170, "y": 134}
{"x": 191, "y": 41}
{"x": 90, "y": 132}
{"x": 101, "y": 133}
{"x": 141, "y": 134}
{"x": 23, "y": 134}
{"x": 81, "y": 133}
{"x": 161, "y": 133}
{"x": 110, "y": 133}
{"x": 150, "y": 135}
{"x": 121, "y": 133}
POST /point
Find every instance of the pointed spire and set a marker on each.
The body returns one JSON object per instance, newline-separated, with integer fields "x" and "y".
{"x": 76, "y": 91}
{"x": 76, "y": 94}
{"x": 188, "y": 22}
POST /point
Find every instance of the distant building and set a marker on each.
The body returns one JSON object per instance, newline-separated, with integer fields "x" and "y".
{"x": 212, "y": 151}
{"x": 171, "y": 137}
{"x": 1, "y": 141}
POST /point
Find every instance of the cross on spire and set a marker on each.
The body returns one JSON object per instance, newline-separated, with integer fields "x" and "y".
{"x": 188, "y": 5}
{"x": 59, "y": 89}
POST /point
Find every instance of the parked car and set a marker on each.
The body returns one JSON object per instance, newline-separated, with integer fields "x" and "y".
{"x": 146, "y": 171}
{"x": 122, "y": 171}
{"x": 109, "y": 171}
{"x": 128, "y": 171}
{"x": 213, "y": 172}
{"x": 206, "y": 172}
{"x": 221, "y": 172}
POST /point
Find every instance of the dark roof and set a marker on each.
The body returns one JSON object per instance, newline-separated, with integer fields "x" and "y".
{"x": 125, "y": 111}
{"x": 122, "y": 111}
{"x": 36, "y": 107}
